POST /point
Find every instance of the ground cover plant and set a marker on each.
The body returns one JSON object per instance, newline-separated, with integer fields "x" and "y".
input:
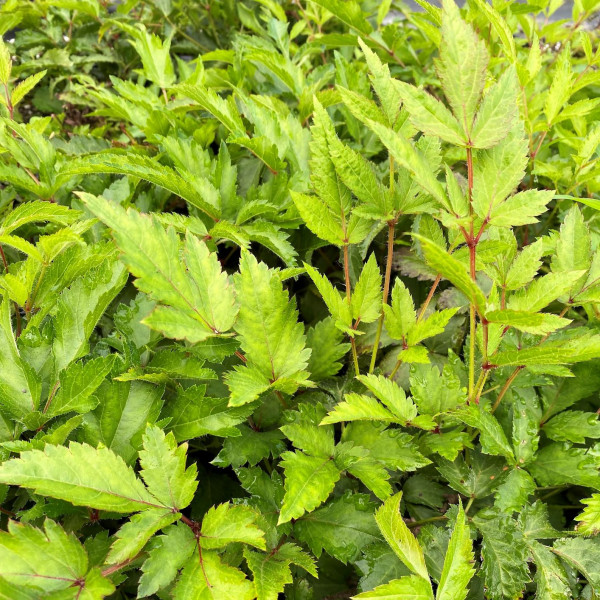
{"x": 299, "y": 300}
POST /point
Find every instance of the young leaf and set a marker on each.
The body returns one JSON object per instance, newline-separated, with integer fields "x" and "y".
{"x": 366, "y": 297}
{"x": 134, "y": 535}
{"x": 271, "y": 338}
{"x": 399, "y": 536}
{"x": 272, "y": 571}
{"x": 308, "y": 482}
{"x": 458, "y": 563}
{"x": 164, "y": 471}
{"x": 19, "y": 386}
{"x": 461, "y": 66}
{"x": 589, "y": 519}
{"x": 453, "y": 270}
{"x": 197, "y": 300}
{"x": 411, "y": 587}
{"x": 226, "y": 523}
{"x": 77, "y": 383}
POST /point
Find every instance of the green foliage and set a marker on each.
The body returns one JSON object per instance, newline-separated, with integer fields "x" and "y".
{"x": 299, "y": 300}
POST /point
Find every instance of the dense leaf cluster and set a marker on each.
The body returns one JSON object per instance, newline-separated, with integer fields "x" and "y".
{"x": 299, "y": 300}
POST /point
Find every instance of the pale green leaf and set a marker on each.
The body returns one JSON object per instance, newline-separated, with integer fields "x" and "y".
{"x": 458, "y": 563}
{"x": 168, "y": 554}
{"x": 24, "y": 87}
{"x": 308, "y": 482}
{"x": 366, "y": 296}
{"x": 589, "y": 519}
{"x": 207, "y": 577}
{"x": 462, "y": 65}
{"x": 197, "y": 191}
{"x": 198, "y": 296}
{"x": 134, "y": 534}
{"x": 78, "y": 382}
{"x": 227, "y": 523}
{"x": 319, "y": 218}
{"x": 271, "y": 338}
{"x": 411, "y": 587}
{"x": 82, "y": 475}
{"x": 399, "y": 536}
{"x": 429, "y": 115}
{"x": 163, "y": 469}
{"x": 452, "y": 269}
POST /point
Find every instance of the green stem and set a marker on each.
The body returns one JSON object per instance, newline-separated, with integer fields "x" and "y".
{"x": 349, "y": 298}
{"x": 412, "y": 524}
{"x": 505, "y": 387}
{"x": 386, "y": 291}
{"x": 469, "y": 504}
{"x": 395, "y": 369}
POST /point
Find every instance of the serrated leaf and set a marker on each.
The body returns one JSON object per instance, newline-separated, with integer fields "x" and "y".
{"x": 327, "y": 348}
{"x": 207, "y": 577}
{"x": 399, "y": 536}
{"x": 550, "y": 575}
{"x": 79, "y": 308}
{"x": 366, "y": 296}
{"x": 122, "y": 416}
{"x": 429, "y": 115}
{"x": 491, "y": 435}
{"x": 24, "y": 87}
{"x": 341, "y": 528}
{"x": 520, "y": 209}
{"x": 78, "y": 382}
{"x": 271, "y": 338}
{"x": 589, "y": 519}
{"x": 453, "y": 270}
{"x": 197, "y": 298}
{"x": 512, "y": 494}
{"x": 29, "y": 559}
{"x": 165, "y": 558}
{"x": 349, "y": 13}
{"x": 584, "y": 555}
{"x": 164, "y": 471}
{"x": 134, "y": 534}
{"x": 458, "y": 563}
{"x": 19, "y": 386}
{"x": 224, "y": 111}
{"x": 308, "y": 482}
{"x": 530, "y": 322}
{"x": 435, "y": 392}
{"x": 504, "y": 555}
{"x": 559, "y": 464}
{"x": 192, "y": 415}
{"x": 462, "y": 66}
{"x": 82, "y": 475}
{"x": 226, "y": 523}
{"x": 271, "y": 571}
{"x": 573, "y": 426}
{"x": 198, "y": 192}
{"x": 411, "y": 159}
{"x": 405, "y": 588}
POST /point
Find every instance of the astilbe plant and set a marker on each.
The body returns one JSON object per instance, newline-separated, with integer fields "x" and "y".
{"x": 320, "y": 324}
